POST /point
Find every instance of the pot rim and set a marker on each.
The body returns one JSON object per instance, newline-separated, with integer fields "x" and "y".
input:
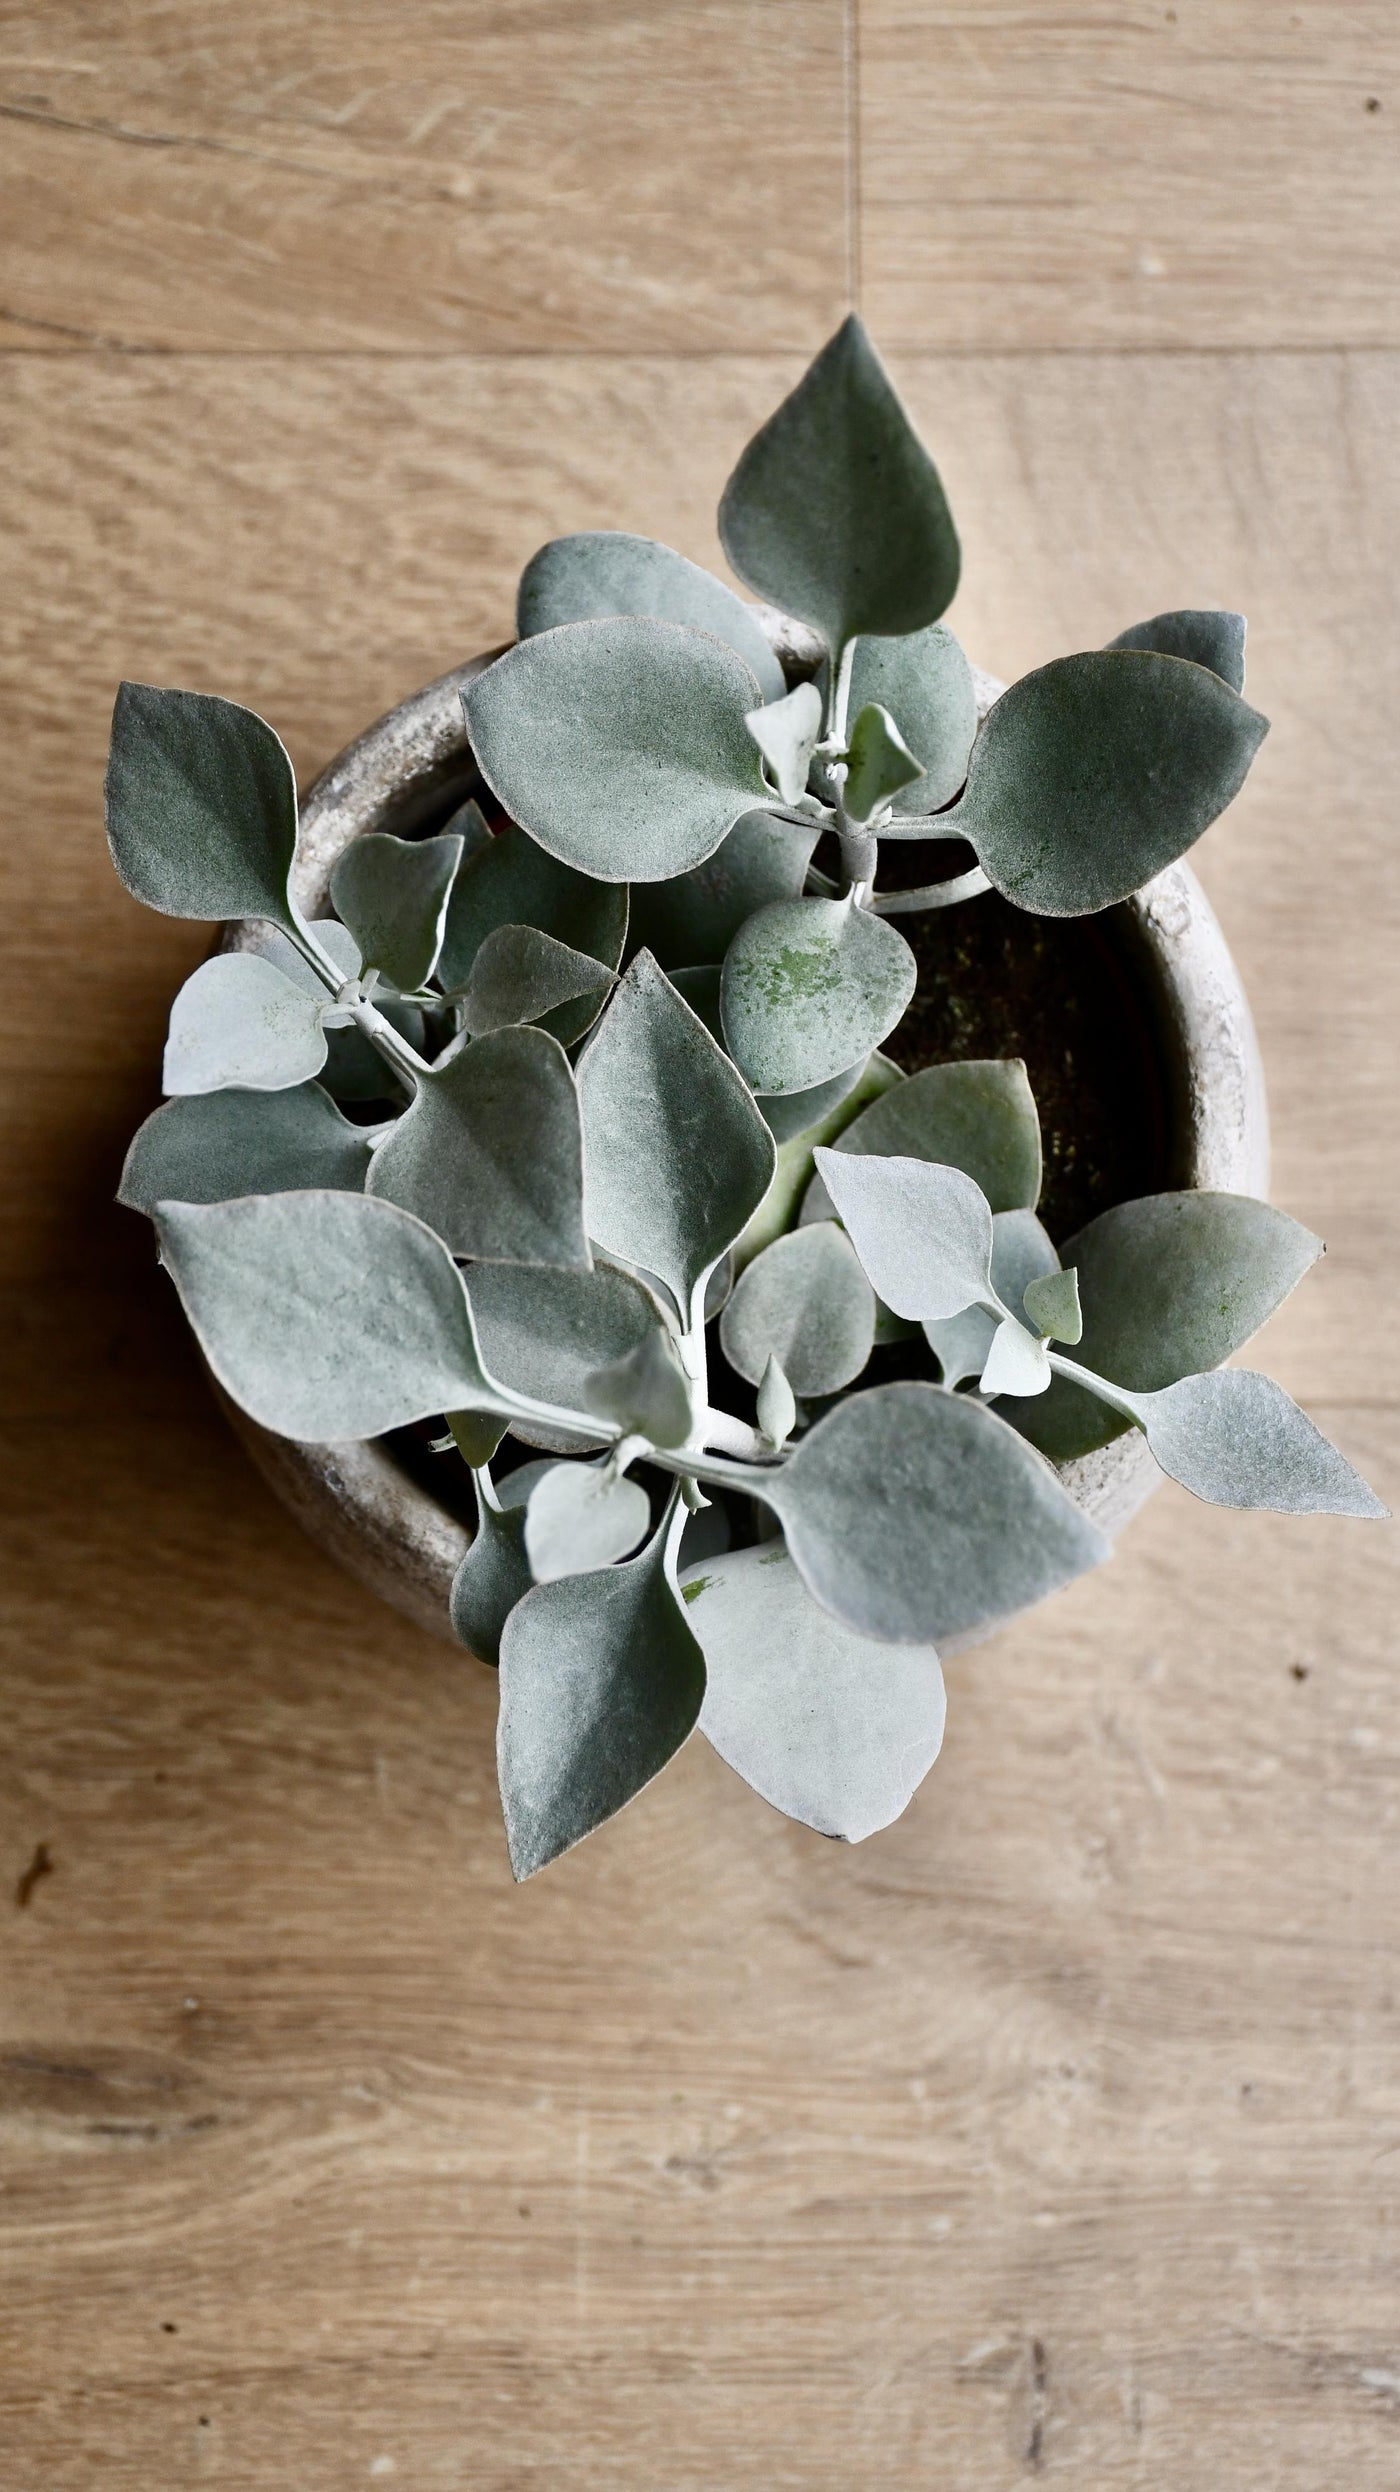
{"x": 403, "y": 772}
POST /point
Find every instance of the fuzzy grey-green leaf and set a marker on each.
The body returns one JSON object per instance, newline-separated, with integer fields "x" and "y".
{"x": 325, "y": 1315}
{"x": 810, "y": 987}
{"x": 1235, "y": 1438}
{"x": 620, "y": 745}
{"x": 492, "y": 1577}
{"x": 1021, "y": 1253}
{"x": 776, "y": 1405}
{"x": 1096, "y": 771}
{"x": 1052, "y": 1303}
{"x": 545, "y": 1331}
{"x": 201, "y": 806}
{"x": 806, "y": 1302}
{"x": 577, "y": 1518}
{"x": 520, "y": 974}
{"x": 694, "y": 917}
{"x": 239, "y": 1024}
{"x": 579, "y": 579}
{"x": 644, "y": 1392}
{"x": 916, "y": 1515}
{"x": 602, "y": 1681}
{"x": 834, "y": 1729}
{"x": 393, "y": 896}
{"x": 786, "y": 733}
{"x": 228, "y": 1142}
{"x": 1207, "y": 635}
{"x": 923, "y": 1232}
{"x": 879, "y": 763}
{"x": 490, "y": 1153}
{"x": 978, "y": 1116}
{"x": 677, "y": 1155}
{"x": 511, "y": 882}
{"x": 1016, "y": 1361}
{"x": 835, "y": 511}
{"x": 925, "y": 682}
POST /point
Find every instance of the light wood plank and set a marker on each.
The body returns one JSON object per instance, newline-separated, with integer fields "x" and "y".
{"x": 1057, "y": 2132}
{"x": 423, "y": 176}
{"x": 1214, "y": 173}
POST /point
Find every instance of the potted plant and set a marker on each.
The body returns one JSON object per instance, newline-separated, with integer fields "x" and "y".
{"x": 570, "y": 1094}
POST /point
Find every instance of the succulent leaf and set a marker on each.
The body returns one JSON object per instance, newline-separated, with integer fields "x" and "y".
{"x": 694, "y": 917}
{"x": 835, "y": 511}
{"x": 490, "y": 1153}
{"x": 831, "y": 1727}
{"x": 239, "y": 1024}
{"x": 1206, "y": 635}
{"x": 393, "y": 895}
{"x": 806, "y": 1302}
{"x": 620, "y": 746}
{"x": 1021, "y": 1253}
{"x": 924, "y": 681}
{"x": 578, "y": 1517}
{"x": 776, "y": 1405}
{"x": 1016, "y": 1361}
{"x": 1236, "y": 1438}
{"x": 602, "y": 1681}
{"x": 545, "y": 1331}
{"x": 579, "y": 579}
{"x": 227, "y": 1142}
{"x": 521, "y": 975}
{"x": 644, "y": 1393}
{"x": 810, "y": 986}
{"x": 201, "y": 806}
{"x": 923, "y": 1232}
{"x": 475, "y": 1433}
{"x": 786, "y": 734}
{"x": 879, "y": 763}
{"x": 978, "y": 1116}
{"x": 492, "y": 1577}
{"x": 511, "y": 882}
{"x": 1052, "y": 1303}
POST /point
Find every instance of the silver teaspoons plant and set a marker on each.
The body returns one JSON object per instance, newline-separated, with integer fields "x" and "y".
{"x": 569, "y": 1134}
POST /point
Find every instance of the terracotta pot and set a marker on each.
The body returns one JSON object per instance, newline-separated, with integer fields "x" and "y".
{"x": 404, "y": 773}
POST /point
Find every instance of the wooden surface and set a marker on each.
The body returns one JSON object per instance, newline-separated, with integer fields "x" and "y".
{"x": 1056, "y": 2133}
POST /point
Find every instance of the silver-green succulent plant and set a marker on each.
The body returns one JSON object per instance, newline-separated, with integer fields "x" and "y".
{"x": 631, "y": 1238}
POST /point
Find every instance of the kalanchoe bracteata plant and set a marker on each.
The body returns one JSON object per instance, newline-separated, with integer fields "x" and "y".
{"x": 648, "y": 1223}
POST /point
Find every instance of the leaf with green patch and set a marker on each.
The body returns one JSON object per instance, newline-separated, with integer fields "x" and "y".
{"x": 492, "y": 1577}
{"x": 1095, "y": 772}
{"x": 620, "y": 746}
{"x": 1052, "y": 1303}
{"x": 511, "y": 882}
{"x": 601, "y": 1682}
{"x": 786, "y": 734}
{"x": 578, "y": 1517}
{"x": 925, "y": 682}
{"x": 326, "y": 1315}
{"x": 238, "y": 1024}
{"x": 228, "y": 1142}
{"x": 923, "y": 1232}
{"x": 521, "y": 975}
{"x": 879, "y": 763}
{"x": 1021, "y": 1254}
{"x": 694, "y": 917}
{"x": 201, "y": 806}
{"x": 829, "y": 1726}
{"x": 644, "y": 1392}
{"x": 835, "y": 511}
{"x": 806, "y": 1302}
{"x": 1235, "y": 1438}
{"x": 978, "y": 1116}
{"x": 810, "y": 986}
{"x": 1171, "y": 1285}
{"x": 1207, "y": 635}
{"x": 777, "y": 1406}
{"x": 393, "y": 896}
{"x": 490, "y": 1153}
{"x": 916, "y": 1515}
{"x": 545, "y": 1331}
{"x": 677, "y": 1156}
{"x": 580, "y": 579}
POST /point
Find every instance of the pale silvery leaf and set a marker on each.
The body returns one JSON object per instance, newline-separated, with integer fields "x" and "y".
{"x": 786, "y": 734}
{"x": 1021, "y": 1253}
{"x": 923, "y": 680}
{"x": 490, "y": 1153}
{"x": 1171, "y": 1285}
{"x": 578, "y": 579}
{"x": 916, "y": 1515}
{"x": 644, "y": 1392}
{"x": 1236, "y": 1439}
{"x": 676, "y": 1153}
{"x": 325, "y": 1315}
{"x": 1016, "y": 1361}
{"x": 835, "y": 512}
{"x": 879, "y": 763}
{"x": 788, "y": 1115}
{"x": 493, "y": 1576}
{"x": 777, "y": 1405}
{"x": 393, "y": 895}
{"x": 207, "y": 1149}
{"x": 620, "y": 745}
{"x": 544, "y": 1332}
{"x": 578, "y": 1518}
{"x": 809, "y": 987}
{"x": 511, "y": 882}
{"x": 238, "y": 1024}
{"x": 1052, "y": 1303}
{"x": 831, "y": 1727}
{"x": 806, "y": 1302}
{"x": 694, "y": 917}
{"x": 1205, "y": 634}
{"x": 1095, "y": 772}
{"x": 601, "y": 1682}
{"x": 520, "y": 974}
{"x": 923, "y": 1232}
{"x": 201, "y": 806}
{"x": 475, "y": 1433}
{"x": 979, "y": 1117}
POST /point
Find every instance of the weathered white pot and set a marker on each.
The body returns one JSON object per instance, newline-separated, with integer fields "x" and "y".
{"x": 405, "y": 772}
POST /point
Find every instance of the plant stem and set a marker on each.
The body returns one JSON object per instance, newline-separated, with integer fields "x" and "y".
{"x": 839, "y": 701}
{"x": 1116, "y": 1396}
{"x": 930, "y": 895}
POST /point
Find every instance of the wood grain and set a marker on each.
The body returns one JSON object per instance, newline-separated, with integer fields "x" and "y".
{"x": 1213, "y": 173}
{"x": 391, "y": 176}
